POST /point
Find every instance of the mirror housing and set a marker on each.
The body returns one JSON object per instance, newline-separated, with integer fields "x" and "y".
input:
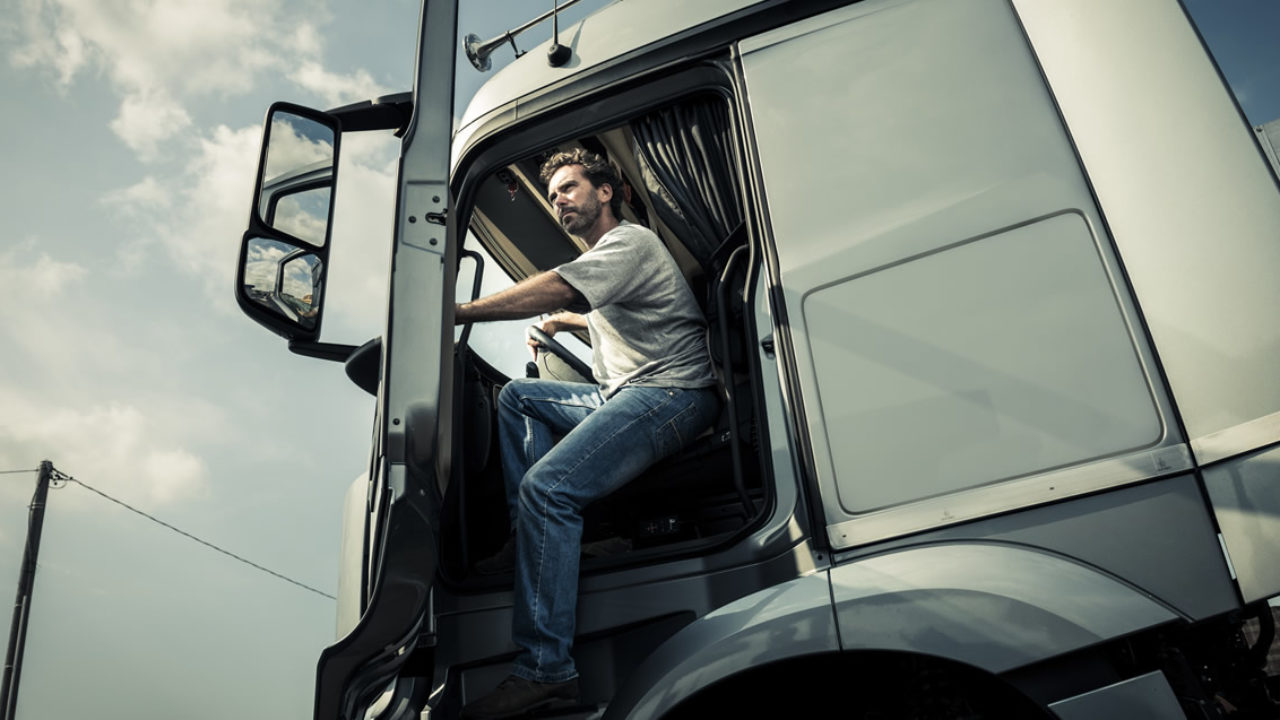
{"x": 284, "y": 252}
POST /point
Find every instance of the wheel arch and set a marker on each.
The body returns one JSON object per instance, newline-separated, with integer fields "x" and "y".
{"x": 988, "y": 607}
{"x": 781, "y": 623}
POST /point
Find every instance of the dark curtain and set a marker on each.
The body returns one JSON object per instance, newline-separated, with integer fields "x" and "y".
{"x": 685, "y": 156}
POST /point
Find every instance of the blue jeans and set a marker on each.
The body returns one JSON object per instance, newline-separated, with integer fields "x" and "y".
{"x": 605, "y": 444}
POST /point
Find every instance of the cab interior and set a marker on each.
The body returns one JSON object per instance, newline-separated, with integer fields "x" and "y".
{"x": 682, "y": 179}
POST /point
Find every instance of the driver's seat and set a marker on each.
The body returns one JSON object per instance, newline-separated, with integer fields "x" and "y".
{"x": 709, "y": 471}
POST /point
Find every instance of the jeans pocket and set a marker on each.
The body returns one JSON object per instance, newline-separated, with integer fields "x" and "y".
{"x": 685, "y": 425}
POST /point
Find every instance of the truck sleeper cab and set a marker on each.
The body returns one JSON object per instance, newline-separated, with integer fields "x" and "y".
{"x": 1000, "y": 431}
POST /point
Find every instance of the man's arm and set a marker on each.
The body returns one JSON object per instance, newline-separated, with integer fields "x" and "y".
{"x": 532, "y": 296}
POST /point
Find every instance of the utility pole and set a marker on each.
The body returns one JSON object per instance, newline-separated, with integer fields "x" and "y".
{"x": 22, "y": 605}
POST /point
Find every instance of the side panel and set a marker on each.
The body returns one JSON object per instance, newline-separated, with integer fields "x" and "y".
{"x": 1146, "y": 696}
{"x": 964, "y": 341}
{"x": 1246, "y": 500}
{"x": 996, "y": 607}
{"x": 966, "y": 361}
{"x": 1192, "y": 205}
{"x": 1129, "y": 533}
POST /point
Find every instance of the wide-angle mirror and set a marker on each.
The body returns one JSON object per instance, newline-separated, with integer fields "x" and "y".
{"x": 295, "y": 189}
{"x": 284, "y": 279}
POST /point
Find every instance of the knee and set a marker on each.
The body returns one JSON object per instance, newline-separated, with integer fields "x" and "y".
{"x": 534, "y": 490}
{"x": 511, "y": 394}
{"x": 539, "y": 491}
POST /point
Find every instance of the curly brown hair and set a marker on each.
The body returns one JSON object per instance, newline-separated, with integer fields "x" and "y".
{"x": 598, "y": 170}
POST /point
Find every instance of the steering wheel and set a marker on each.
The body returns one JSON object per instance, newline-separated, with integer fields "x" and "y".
{"x": 555, "y": 348}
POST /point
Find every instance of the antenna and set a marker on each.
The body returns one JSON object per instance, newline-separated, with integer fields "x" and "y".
{"x": 478, "y": 51}
{"x": 557, "y": 54}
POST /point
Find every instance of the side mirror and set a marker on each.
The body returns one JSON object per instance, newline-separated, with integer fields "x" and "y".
{"x": 284, "y": 280}
{"x": 295, "y": 177}
{"x": 284, "y": 252}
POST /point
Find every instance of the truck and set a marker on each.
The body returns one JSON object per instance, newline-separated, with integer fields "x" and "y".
{"x": 996, "y": 341}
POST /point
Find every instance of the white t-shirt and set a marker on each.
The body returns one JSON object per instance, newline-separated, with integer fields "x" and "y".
{"x": 646, "y": 328}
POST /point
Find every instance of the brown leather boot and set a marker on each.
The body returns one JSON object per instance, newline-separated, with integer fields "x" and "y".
{"x": 517, "y": 696}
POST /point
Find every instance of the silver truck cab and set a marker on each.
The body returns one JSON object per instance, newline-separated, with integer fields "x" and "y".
{"x": 1001, "y": 430}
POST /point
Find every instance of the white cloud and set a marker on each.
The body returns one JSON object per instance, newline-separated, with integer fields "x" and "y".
{"x": 42, "y": 43}
{"x": 156, "y": 53}
{"x": 337, "y": 89}
{"x": 143, "y": 45}
{"x": 147, "y": 194}
{"x": 147, "y": 119}
{"x": 113, "y": 447}
{"x": 33, "y": 289}
{"x": 197, "y": 215}
{"x": 174, "y": 474}
{"x": 74, "y": 360}
{"x": 306, "y": 40}
{"x": 43, "y": 279}
{"x": 48, "y": 316}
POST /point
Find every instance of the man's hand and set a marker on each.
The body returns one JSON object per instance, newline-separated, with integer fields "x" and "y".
{"x": 554, "y": 324}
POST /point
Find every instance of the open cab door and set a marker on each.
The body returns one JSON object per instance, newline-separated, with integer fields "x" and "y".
{"x": 283, "y": 265}
{"x": 411, "y": 441}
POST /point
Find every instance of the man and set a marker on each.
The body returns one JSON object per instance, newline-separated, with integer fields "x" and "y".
{"x": 655, "y": 393}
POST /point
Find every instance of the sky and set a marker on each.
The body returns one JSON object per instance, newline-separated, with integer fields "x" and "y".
{"x": 1242, "y": 36}
{"x": 129, "y": 140}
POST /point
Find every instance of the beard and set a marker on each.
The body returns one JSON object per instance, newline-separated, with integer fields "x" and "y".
{"x": 584, "y": 216}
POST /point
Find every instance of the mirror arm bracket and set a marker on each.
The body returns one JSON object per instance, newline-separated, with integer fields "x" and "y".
{"x": 389, "y": 112}
{"x": 323, "y": 351}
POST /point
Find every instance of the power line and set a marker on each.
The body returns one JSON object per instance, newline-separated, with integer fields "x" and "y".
{"x": 14, "y": 472}
{"x": 67, "y": 478}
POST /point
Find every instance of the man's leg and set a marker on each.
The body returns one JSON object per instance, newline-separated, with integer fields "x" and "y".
{"x": 632, "y": 430}
{"x": 532, "y": 413}
{"x": 610, "y": 446}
